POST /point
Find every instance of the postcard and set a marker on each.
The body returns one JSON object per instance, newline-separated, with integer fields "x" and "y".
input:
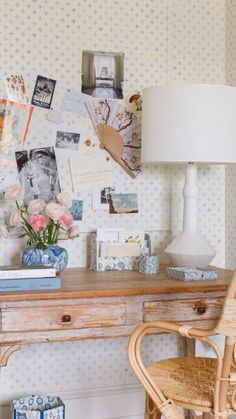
{"x": 16, "y": 88}
{"x": 14, "y": 124}
{"x": 123, "y": 203}
{"x": 77, "y": 210}
{"x": 38, "y": 174}
{"x": 91, "y": 169}
{"x": 132, "y": 237}
{"x": 43, "y": 92}
{"x": 108, "y": 234}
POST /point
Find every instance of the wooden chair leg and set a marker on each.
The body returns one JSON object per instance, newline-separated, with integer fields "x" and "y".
{"x": 151, "y": 411}
{"x": 206, "y": 416}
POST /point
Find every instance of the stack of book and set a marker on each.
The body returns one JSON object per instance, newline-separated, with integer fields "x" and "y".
{"x": 28, "y": 278}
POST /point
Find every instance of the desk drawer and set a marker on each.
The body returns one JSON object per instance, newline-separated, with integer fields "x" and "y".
{"x": 65, "y": 316}
{"x": 183, "y": 310}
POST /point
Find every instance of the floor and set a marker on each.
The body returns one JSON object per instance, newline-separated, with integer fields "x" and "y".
{"x": 103, "y": 92}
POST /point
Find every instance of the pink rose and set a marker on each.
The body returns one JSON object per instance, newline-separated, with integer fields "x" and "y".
{"x": 13, "y": 192}
{"x": 55, "y": 211}
{"x": 64, "y": 199}
{"x": 36, "y": 206}
{"x": 73, "y": 232}
{"x": 15, "y": 219}
{"x": 67, "y": 219}
{"x": 38, "y": 222}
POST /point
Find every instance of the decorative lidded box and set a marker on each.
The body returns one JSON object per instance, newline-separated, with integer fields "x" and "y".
{"x": 149, "y": 264}
{"x": 191, "y": 274}
{"x": 38, "y": 407}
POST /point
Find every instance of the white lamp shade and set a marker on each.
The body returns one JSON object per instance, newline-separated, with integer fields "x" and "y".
{"x": 189, "y": 123}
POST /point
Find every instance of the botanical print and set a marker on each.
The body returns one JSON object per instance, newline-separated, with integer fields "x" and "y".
{"x": 14, "y": 124}
{"x": 16, "y": 88}
{"x": 119, "y": 132}
{"x": 38, "y": 174}
{"x": 43, "y": 92}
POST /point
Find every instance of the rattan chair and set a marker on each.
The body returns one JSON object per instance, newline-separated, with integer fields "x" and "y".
{"x": 200, "y": 384}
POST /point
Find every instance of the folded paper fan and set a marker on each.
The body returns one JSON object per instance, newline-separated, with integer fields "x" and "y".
{"x": 119, "y": 132}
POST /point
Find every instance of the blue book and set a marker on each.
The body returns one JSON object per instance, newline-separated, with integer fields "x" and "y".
{"x": 30, "y": 284}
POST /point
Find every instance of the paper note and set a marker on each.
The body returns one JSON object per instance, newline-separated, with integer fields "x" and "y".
{"x": 91, "y": 169}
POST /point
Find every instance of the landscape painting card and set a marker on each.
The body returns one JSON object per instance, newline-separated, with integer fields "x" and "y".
{"x": 123, "y": 203}
{"x": 14, "y": 124}
{"x": 16, "y": 88}
{"x": 119, "y": 131}
{"x": 43, "y": 92}
{"x": 91, "y": 169}
{"x": 38, "y": 174}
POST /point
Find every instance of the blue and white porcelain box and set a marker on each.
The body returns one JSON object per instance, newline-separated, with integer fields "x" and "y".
{"x": 149, "y": 264}
{"x": 38, "y": 407}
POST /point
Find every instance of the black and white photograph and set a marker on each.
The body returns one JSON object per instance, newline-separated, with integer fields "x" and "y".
{"x": 43, "y": 92}
{"x": 38, "y": 174}
{"x": 103, "y": 74}
{"x": 126, "y": 203}
{"x": 101, "y": 198}
{"x": 69, "y": 140}
{"x": 76, "y": 209}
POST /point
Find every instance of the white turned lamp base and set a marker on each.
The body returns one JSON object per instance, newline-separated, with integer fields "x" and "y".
{"x": 190, "y": 248}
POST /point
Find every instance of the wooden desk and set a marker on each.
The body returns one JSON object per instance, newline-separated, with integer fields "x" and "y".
{"x": 105, "y": 304}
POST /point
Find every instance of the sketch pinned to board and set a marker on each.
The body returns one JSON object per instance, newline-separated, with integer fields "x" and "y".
{"x": 14, "y": 124}
{"x": 119, "y": 132}
{"x": 74, "y": 102}
{"x": 43, "y": 92}
{"x": 38, "y": 174}
{"x": 16, "y": 88}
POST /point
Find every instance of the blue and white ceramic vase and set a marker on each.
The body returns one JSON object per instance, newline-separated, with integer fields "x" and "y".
{"x": 53, "y": 255}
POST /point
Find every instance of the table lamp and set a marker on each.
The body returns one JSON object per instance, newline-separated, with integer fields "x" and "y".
{"x": 191, "y": 124}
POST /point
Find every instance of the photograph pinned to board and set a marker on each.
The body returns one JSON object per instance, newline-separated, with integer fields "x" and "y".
{"x": 14, "y": 124}
{"x": 119, "y": 132}
{"x": 43, "y": 92}
{"x": 103, "y": 74}
{"x": 101, "y": 198}
{"x": 123, "y": 203}
{"x": 76, "y": 209}
{"x": 38, "y": 174}
{"x": 74, "y": 102}
{"x": 67, "y": 139}
{"x": 91, "y": 169}
{"x": 16, "y": 88}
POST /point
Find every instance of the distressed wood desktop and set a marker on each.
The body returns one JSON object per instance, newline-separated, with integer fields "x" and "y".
{"x": 105, "y": 304}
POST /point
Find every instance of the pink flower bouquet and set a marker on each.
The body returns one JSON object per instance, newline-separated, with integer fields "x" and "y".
{"x": 42, "y": 223}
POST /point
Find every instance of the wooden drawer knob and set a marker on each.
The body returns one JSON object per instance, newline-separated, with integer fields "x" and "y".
{"x": 200, "y": 308}
{"x": 66, "y": 318}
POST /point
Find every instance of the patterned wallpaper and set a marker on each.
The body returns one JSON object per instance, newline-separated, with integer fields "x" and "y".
{"x": 163, "y": 41}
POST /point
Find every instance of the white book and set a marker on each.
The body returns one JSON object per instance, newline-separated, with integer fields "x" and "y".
{"x": 26, "y": 271}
